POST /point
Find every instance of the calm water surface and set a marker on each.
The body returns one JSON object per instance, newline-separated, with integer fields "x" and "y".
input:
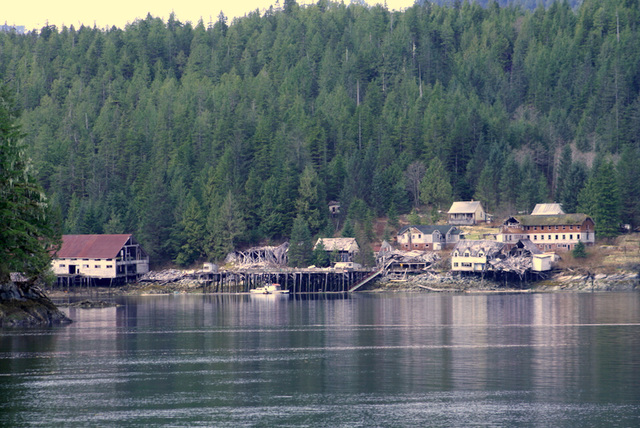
{"x": 358, "y": 361}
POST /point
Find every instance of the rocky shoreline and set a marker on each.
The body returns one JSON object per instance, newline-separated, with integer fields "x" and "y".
{"x": 427, "y": 282}
{"x": 28, "y": 307}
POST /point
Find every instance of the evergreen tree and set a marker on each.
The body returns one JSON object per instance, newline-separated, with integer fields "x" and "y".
{"x": 300, "y": 246}
{"x": 629, "y": 185}
{"x": 600, "y": 199}
{"x": 579, "y": 251}
{"x": 320, "y": 256}
{"x": 435, "y": 188}
{"x": 28, "y": 233}
{"x": 572, "y": 187}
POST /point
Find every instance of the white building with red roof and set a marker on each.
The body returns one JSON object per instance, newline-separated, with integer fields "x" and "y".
{"x": 117, "y": 258}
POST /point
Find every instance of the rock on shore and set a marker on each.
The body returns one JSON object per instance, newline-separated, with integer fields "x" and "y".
{"x": 27, "y": 307}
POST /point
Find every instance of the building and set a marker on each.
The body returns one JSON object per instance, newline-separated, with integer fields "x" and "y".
{"x": 423, "y": 237}
{"x": 549, "y": 232}
{"x": 467, "y": 213}
{"x": 344, "y": 248}
{"x": 548, "y": 209}
{"x": 112, "y": 258}
{"x": 474, "y": 256}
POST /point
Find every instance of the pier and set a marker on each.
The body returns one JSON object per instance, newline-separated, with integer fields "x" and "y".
{"x": 296, "y": 281}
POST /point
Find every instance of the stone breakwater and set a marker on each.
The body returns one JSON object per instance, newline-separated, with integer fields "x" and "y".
{"x": 26, "y": 307}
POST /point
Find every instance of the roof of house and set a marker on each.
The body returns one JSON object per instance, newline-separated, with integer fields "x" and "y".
{"x": 91, "y": 246}
{"x": 429, "y": 229}
{"x": 488, "y": 247}
{"x": 547, "y": 209}
{"x": 338, "y": 244}
{"x": 462, "y": 207}
{"x": 528, "y": 245}
{"x": 549, "y": 220}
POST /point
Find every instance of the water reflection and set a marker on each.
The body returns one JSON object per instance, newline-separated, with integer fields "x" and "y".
{"x": 396, "y": 358}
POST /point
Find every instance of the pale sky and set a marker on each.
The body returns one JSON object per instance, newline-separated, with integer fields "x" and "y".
{"x": 34, "y": 14}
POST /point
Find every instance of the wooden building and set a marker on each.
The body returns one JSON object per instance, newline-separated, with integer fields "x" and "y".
{"x": 549, "y": 232}
{"x": 423, "y": 237}
{"x": 344, "y": 248}
{"x": 110, "y": 258}
{"x": 467, "y": 213}
{"x": 475, "y": 255}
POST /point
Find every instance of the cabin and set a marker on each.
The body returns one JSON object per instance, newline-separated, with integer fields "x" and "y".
{"x": 549, "y": 232}
{"x": 104, "y": 258}
{"x": 423, "y": 237}
{"x": 467, "y": 213}
{"x": 548, "y": 209}
{"x": 344, "y": 248}
{"x": 475, "y": 255}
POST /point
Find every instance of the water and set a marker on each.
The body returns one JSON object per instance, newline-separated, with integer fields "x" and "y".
{"x": 361, "y": 361}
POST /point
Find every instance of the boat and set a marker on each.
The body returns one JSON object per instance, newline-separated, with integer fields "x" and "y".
{"x": 269, "y": 289}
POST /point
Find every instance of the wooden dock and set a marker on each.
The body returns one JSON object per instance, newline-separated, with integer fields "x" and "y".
{"x": 296, "y": 281}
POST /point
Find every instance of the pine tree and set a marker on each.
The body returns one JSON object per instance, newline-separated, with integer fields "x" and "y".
{"x": 600, "y": 199}
{"x": 300, "y": 246}
{"x": 435, "y": 188}
{"x": 28, "y": 231}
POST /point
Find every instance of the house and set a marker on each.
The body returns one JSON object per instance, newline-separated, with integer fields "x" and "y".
{"x": 114, "y": 258}
{"x": 334, "y": 207}
{"x": 423, "y": 237}
{"x": 548, "y": 209}
{"x": 475, "y": 256}
{"x": 538, "y": 261}
{"x": 467, "y": 213}
{"x": 549, "y": 232}
{"x": 345, "y": 248}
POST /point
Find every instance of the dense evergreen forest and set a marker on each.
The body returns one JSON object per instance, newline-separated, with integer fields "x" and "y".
{"x": 203, "y": 137}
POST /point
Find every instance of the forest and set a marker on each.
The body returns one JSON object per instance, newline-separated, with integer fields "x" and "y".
{"x": 204, "y": 137}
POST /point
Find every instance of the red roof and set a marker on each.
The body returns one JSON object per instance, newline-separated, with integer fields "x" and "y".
{"x": 91, "y": 246}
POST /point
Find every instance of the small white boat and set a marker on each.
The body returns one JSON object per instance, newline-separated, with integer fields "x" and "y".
{"x": 269, "y": 289}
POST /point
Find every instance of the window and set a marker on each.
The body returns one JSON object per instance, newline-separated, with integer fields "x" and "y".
{"x": 549, "y": 237}
{"x": 535, "y": 227}
{"x": 455, "y": 264}
{"x": 564, "y": 236}
{"x": 542, "y": 237}
{"x": 549, "y": 227}
{"x": 535, "y": 237}
{"x": 466, "y": 264}
{"x": 466, "y": 254}
{"x": 571, "y": 236}
{"x": 456, "y": 254}
{"x": 556, "y": 237}
{"x": 96, "y": 266}
{"x": 85, "y": 266}
{"x": 63, "y": 265}
{"x": 109, "y": 266}
{"x": 564, "y": 227}
{"x": 556, "y": 227}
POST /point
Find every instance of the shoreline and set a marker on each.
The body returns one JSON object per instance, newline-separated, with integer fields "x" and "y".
{"x": 561, "y": 281}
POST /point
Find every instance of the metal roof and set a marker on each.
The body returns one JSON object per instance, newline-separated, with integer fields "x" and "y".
{"x": 91, "y": 246}
{"x": 463, "y": 207}
{"x": 488, "y": 247}
{"x": 547, "y": 209}
{"x": 339, "y": 244}
{"x": 429, "y": 229}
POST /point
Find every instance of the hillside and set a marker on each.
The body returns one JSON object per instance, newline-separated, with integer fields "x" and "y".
{"x": 199, "y": 138}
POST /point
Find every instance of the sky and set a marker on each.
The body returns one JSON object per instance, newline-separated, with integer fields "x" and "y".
{"x": 35, "y": 14}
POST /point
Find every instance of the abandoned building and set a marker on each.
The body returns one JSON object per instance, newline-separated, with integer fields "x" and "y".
{"x": 549, "y": 232}
{"x": 423, "y": 237}
{"x": 475, "y": 255}
{"x": 114, "y": 259}
{"x": 344, "y": 249}
{"x": 467, "y": 213}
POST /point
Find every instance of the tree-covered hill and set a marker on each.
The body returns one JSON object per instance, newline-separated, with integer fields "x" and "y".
{"x": 201, "y": 137}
